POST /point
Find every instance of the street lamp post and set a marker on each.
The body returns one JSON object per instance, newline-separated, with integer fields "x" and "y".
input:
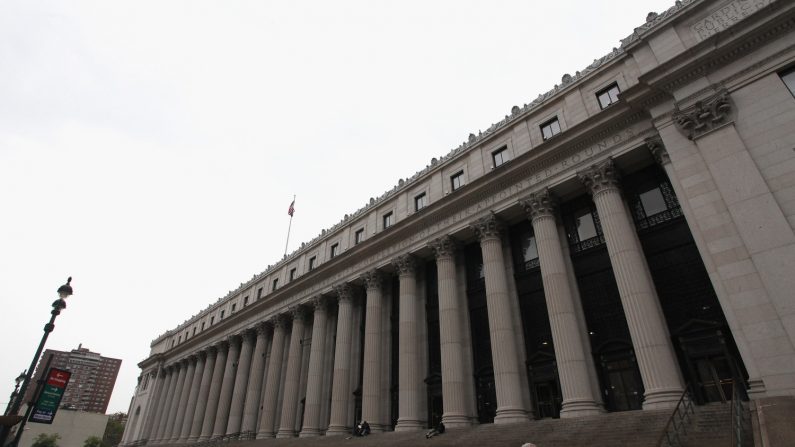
{"x": 57, "y": 306}
{"x": 15, "y": 393}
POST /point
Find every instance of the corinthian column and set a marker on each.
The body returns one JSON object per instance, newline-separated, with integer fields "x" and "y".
{"x": 510, "y": 407}
{"x": 270, "y": 399}
{"x": 371, "y": 382}
{"x": 159, "y": 424}
{"x": 410, "y": 383}
{"x": 251, "y": 410}
{"x": 570, "y": 353}
{"x": 241, "y": 383}
{"x": 158, "y": 378}
{"x": 175, "y": 402}
{"x": 227, "y": 387}
{"x": 193, "y": 394}
{"x": 653, "y": 349}
{"x": 340, "y": 389}
{"x": 450, "y": 336}
{"x": 215, "y": 391}
{"x": 292, "y": 381}
{"x": 314, "y": 385}
{"x": 203, "y": 394}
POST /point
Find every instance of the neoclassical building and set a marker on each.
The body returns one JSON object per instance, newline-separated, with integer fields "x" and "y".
{"x": 622, "y": 236}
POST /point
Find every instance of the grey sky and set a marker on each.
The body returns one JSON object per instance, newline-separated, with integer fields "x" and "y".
{"x": 150, "y": 149}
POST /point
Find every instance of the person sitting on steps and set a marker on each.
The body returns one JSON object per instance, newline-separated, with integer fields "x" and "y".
{"x": 438, "y": 430}
{"x": 362, "y": 428}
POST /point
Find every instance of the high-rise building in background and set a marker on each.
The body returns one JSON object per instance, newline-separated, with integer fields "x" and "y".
{"x": 91, "y": 384}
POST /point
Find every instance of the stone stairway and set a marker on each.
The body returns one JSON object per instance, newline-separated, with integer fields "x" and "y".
{"x": 709, "y": 427}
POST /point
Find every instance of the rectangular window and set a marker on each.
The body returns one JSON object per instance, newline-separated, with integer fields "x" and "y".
{"x": 233, "y": 307}
{"x": 335, "y": 250}
{"x": 653, "y": 202}
{"x": 312, "y": 263}
{"x": 275, "y": 284}
{"x": 358, "y": 236}
{"x": 500, "y": 156}
{"x": 550, "y": 128}
{"x": 212, "y": 320}
{"x": 456, "y": 180}
{"x": 788, "y": 77}
{"x": 202, "y": 325}
{"x": 194, "y": 330}
{"x": 245, "y": 301}
{"x": 222, "y": 314}
{"x": 388, "y": 220}
{"x": 259, "y": 293}
{"x": 420, "y": 202}
{"x": 586, "y": 228}
{"x": 292, "y": 273}
{"x": 608, "y": 96}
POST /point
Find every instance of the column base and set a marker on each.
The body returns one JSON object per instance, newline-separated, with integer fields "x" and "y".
{"x": 507, "y": 415}
{"x": 263, "y": 435}
{"x": 409, "y": 425}
{"x": 455, "y": 420}
{"x": 309, "y": 433}
{"x": 662, "y": 398}
{"x": 575, "y": 408}
{"x": 337, "y": 430}
{"x": 285, "y": 434}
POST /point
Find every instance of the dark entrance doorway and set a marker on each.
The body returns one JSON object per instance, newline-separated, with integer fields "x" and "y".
{"x": 544, "y": 385}
{"x": 709, "y": 360}
{"x": 435, "y": 402}
{"x": 623, "y": 388}
{"x": 486, "y": 395}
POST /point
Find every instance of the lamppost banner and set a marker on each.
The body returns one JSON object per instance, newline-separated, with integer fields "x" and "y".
{"x": 50, "y": 397}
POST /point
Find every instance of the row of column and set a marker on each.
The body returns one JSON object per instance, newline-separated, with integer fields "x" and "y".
{"x": 227, "y": 390}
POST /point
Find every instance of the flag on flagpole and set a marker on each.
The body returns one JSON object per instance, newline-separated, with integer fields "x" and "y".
{"x": 291, "y": 210}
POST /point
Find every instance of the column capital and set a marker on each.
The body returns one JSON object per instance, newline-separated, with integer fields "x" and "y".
{"x": 600, "y": 177}
{"x": 234, "y": 340}
{"x": 222, "y": 345}
{"x": 657, "y": 150}
{"x": 249, "y": 334}
{"x": 211, "y": 351}
{"x": 444, "y": 247}
{"x": 262, "y": 328}
{"x": 405, "y": 264}
{"x": 373, "y": 279}
{"x": 344, "y": 291}
{"x": 540, "y": 204}
{"x": 704, "y": 115}
{"x": 279, "y": 321}
{"x": 319, "y": 303}
{"x": 487, "y": 227}
{"x": 298, "y": 313}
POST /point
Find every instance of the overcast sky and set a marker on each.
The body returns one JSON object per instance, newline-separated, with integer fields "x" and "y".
{"x": 150, "y": 149}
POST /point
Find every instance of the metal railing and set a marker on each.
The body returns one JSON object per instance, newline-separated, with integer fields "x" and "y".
{"x": 676, "y": 427}
{"x": 739, "y": 416}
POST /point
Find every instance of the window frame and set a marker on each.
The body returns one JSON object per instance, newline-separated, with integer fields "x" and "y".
{"x": 334, "y": 251}
{"x": 457, "y": 176}
{"x": 312, "y": 262}
{"x": 501, "y": 151}
{"x": 358, "y": 236}
{"x": 293, "y": 271}
{"x": 275, "y": 284}
{"x": 549, "y": 123}
{"x": 420, "y": 201}
{"x": 387, "y": 220}
{"x": 607, "y": 91}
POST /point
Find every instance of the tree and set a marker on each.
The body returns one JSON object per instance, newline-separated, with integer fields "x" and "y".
{"x": 114, "y": 430}
{"x": 93, "y": 441}
{"x": 45, "y": 440}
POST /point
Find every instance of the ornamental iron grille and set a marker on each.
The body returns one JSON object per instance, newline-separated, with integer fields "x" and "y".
{"x": 652, "y": 198}
{"x": 583, "y": 226}
{"x": 525, "y": 250}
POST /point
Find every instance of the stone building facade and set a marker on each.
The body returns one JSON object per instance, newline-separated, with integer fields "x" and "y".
{"x": 623, "y": 235}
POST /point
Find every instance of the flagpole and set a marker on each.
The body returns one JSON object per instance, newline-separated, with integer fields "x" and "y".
{"x": 289, "y": 227}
